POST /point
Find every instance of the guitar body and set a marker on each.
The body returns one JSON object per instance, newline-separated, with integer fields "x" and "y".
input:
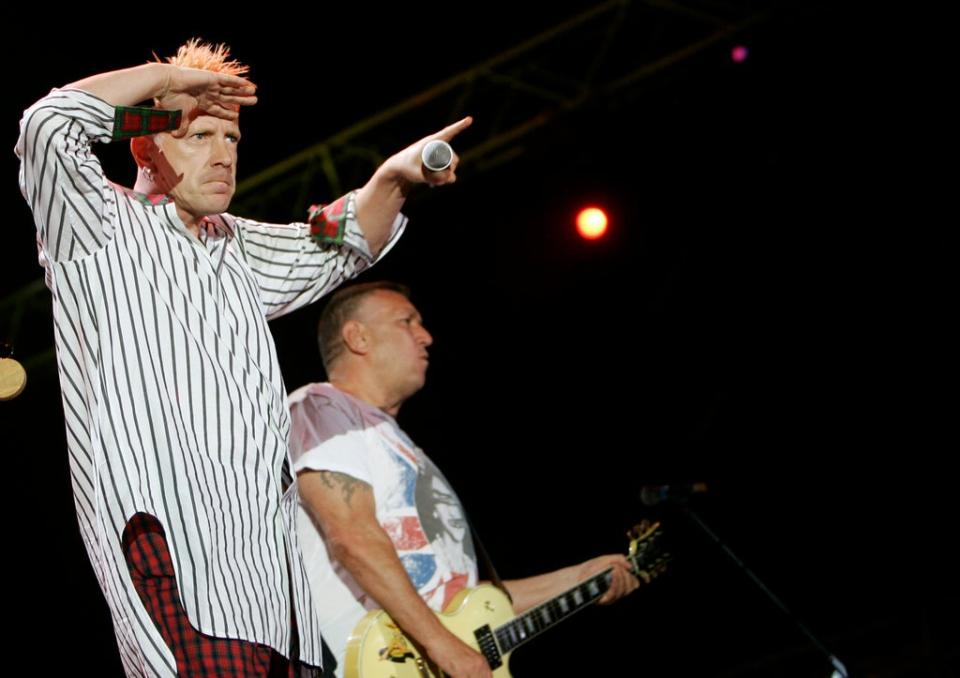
{"x": 378, "y": 649}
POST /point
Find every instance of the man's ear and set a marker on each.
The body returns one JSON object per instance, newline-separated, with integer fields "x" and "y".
{"x": 145, "y": 151}
{"x": 355, "y": 337}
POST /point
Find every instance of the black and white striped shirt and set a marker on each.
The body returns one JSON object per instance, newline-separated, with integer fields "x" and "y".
{"x": 172, "y": 395}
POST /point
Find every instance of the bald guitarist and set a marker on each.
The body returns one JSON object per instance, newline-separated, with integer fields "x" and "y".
{"x": 379, "y": 524}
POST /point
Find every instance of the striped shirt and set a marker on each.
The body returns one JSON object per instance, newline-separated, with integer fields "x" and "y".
{"x": 172, "y": 395}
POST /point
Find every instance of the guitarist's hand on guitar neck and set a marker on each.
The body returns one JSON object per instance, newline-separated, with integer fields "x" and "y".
{"x": 532, "y": 591}
{"x": 622, "y": 581}
{"x": 455, "y": 658}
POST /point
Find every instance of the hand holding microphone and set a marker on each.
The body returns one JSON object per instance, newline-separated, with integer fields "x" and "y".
{"x": 436, "y": 160}
{"x": 431, "y": 160}
{"x": 437, "y": 155}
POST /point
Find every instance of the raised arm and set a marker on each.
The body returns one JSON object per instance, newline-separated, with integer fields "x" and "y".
{"x": 189, "y": 90}
{"x": 380, "y": 200}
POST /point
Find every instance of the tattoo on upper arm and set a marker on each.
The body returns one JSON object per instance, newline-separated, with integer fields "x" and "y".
{"x": 347, "y": 484}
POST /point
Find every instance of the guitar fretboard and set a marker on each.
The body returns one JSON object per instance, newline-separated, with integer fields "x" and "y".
{"x": 538, "y": 619}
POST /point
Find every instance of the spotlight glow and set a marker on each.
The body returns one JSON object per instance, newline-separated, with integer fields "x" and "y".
{"x": 592, "y": 223}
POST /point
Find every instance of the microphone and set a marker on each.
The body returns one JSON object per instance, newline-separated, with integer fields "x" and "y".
{"x": 651, "y": 495}
{"x": 437, "y": 155}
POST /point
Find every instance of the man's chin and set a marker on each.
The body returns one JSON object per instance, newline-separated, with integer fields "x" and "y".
{"x": 217, "y": 204}
{"x": 413, "y": 385}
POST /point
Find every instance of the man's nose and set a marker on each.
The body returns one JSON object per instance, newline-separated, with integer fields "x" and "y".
{"x": 221, "y": 153}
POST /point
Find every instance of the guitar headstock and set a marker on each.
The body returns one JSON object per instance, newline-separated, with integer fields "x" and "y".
{"x": 644, "y": 553}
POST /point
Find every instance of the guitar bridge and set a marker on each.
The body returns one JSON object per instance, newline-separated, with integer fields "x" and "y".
{"x": 488, "y": 646}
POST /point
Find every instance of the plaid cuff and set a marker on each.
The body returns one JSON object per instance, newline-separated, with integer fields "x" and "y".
{"x": 328, "y": 224}
{"x": 137, "y": 121}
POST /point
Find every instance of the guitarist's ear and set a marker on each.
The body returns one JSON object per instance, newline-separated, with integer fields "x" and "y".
{"x": 355, "y": 337}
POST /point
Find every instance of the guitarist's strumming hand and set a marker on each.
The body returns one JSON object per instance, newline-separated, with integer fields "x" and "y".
{"x": 455, "y": 658}
{"x": 622, "y": 581}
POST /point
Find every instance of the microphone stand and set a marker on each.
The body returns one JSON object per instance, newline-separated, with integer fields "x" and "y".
{"x": 839, "y": 670}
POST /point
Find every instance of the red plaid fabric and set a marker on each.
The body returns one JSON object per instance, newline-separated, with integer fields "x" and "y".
{"x": 197, "y": 654}
{"x": 138, "y": 121}
{"x": 328, "y": 222}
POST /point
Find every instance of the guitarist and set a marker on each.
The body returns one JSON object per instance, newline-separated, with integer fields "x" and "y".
{"x": 380, "y": 526}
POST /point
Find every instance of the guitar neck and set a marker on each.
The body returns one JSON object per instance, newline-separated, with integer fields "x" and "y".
{"x": 536, "y": 620}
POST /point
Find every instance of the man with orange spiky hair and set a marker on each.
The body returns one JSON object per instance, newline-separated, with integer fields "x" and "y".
{"x": 175, "y": 410}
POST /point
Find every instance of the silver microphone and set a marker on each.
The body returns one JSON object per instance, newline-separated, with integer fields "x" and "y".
{"x": 437, "y": 155}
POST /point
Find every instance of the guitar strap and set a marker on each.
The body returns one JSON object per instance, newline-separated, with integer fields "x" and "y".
{"x": 484, "y": 558}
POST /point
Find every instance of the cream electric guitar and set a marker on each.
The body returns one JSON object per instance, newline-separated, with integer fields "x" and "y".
{"x": 483, "y": 618}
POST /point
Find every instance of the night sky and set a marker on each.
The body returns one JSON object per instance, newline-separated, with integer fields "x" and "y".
{"x": 767, "y": 315}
